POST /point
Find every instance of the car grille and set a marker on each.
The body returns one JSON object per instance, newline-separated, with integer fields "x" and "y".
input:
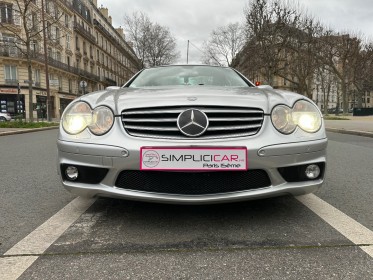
{"x": 187, "y": 183}
{"x": 224, "y": 122}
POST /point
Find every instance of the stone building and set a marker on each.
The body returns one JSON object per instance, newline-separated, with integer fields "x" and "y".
{"x": 83, "y": 49}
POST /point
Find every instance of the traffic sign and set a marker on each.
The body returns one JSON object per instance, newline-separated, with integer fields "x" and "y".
{"x": 83, "y": 84}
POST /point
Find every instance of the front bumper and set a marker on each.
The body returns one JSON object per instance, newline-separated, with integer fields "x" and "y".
{"x": 116, "y": 159}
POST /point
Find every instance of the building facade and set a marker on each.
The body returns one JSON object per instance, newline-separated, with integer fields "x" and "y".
{"x": 286, "y": 69}
{"x": 329, "y": 94}
{"x": 85, "y": 53}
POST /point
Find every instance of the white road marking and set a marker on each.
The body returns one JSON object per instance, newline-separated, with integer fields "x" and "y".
{"x": 351, "y": 229}
{"x": 27, "y": 251}
{"x": 40, "y": 239}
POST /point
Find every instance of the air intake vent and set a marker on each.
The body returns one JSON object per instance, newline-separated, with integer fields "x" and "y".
{"x": 188, "y": 183}
{"x": 161, "y": 122}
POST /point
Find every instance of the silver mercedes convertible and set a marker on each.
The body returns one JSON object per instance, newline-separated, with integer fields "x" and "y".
{"x": 191, "y": 134}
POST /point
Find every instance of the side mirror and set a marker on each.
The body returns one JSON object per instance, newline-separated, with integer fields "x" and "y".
{"x": 112, "y": 88}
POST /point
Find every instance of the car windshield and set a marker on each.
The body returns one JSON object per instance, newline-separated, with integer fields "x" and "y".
{"x": 185, "y": 75}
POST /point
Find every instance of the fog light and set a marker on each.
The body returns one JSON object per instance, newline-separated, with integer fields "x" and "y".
{"x": 72, "y": 173}
{"x": 312, "y": 171}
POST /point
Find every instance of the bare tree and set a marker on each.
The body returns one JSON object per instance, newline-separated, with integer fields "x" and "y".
{"x": 25, "y": 40}
{"x": 281, "y": 38}
{"x": 153, "y": 43}
{"x": 363, "y": 72}
{"x": 263, "y": 41}
{"x": 138, "y": 26}
{"x": 340, "y": 53}
{"x": 327, "y": 83}
{"x": 162, "y": 46}
{"x": 285, "y": 44}
{"x": 300, "y": 66}
{"x": 224, "y": 44}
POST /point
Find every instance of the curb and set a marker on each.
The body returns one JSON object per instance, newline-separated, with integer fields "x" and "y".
{"x": 351, "y": 132}
{"x": 27, "y": 130}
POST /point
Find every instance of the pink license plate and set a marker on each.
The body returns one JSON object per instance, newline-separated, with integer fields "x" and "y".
{"x": 194, "y": 158}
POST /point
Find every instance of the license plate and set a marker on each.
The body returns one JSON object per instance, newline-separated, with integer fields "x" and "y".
{"x": 193, "y": 159}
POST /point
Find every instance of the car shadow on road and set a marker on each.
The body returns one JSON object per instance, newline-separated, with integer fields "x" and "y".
{"x": 112, "y": 225}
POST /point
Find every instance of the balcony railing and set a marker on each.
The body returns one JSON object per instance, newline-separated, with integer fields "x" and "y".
{"x": 9, "y": 51}
{"x": 108, "y": 81}
{"x": 39, "y": 57}
{"x": 6, "y": 20}
{"x": 108, "y": 35}
{"x": 79, "y": 28}
{"x": 12, "y": 82}
{"x": 115, "y": 40}
{"x": 68, "y": 4}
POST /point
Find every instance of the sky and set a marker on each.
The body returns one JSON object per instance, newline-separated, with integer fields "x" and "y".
{"x": 194, "y": 20}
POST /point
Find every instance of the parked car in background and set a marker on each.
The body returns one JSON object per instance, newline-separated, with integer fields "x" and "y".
{"x": 334, "y": 111}
{"x": 191, "y": 134}
{"x": 4, "y": 117}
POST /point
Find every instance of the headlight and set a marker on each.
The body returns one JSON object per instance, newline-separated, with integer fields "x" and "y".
{"x": 303, "y": 114}
{"x": 102, "y": 120}
{"x": 282, "y": 119}
{"x": 77, "y": 118}
{"x": 306, "y": 116}
{"x": 80, "y": 116}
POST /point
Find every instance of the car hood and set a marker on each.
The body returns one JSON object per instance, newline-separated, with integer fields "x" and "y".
{"x": 127, "y": 98}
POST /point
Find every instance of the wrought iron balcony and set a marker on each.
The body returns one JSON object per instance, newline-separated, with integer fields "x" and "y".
{"x": 68, "y": 4}
{"x": 7, "y": 20}
{"x": 82, "y": 31}
{"x": 39, "y": 57}
{"x": 12, "y": 82}
{"x": 118, "y": 43}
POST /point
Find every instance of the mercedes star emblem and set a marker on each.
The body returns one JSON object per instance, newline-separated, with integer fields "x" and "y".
{"x": 192, "y": 122}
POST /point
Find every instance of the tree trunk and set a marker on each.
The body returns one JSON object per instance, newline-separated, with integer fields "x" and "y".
{"x": 326, "y": 99}
{"x": 359, "y": 99}
{"x": 344, "y": 96}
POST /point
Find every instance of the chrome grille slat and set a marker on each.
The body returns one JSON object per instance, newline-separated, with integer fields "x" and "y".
{"x": 178, "y": 111}
{"x": 152, "y": 128}
{"x": 237, "y": 127}
{"x": 149, "y": 120}
{"x": 232, "y": 111}
{"x": 224, "y": 122}
{"x": 233, "y": 119}
{"x": 222, "y": 136}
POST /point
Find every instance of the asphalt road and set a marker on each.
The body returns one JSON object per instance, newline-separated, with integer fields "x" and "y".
{"x": 278, "y": 238}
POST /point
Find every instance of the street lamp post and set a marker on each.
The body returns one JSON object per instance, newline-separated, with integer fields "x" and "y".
{"x": 46, "y": 63}
{"x": 188, "y": 52}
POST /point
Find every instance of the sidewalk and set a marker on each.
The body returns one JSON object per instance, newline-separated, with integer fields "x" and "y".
{"x": 362, "y": 126}
{"x": 12, "y": 131}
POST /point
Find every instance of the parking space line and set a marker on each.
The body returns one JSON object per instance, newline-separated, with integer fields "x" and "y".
{"x": 27, "y": 251}
{"x": 351, "y": 229}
